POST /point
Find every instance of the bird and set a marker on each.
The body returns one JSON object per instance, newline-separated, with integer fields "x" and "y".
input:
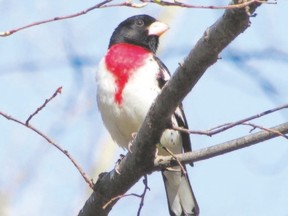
{"x": 129, "y": 78}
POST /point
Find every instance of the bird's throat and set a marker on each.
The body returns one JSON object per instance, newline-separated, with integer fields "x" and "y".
{"x": 122, "y": 60}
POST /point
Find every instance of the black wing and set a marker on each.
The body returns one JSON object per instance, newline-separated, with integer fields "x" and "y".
{"x": 162, "y": 78}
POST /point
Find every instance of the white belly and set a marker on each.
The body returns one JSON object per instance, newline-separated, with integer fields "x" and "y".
{"x": 138, "y": 95}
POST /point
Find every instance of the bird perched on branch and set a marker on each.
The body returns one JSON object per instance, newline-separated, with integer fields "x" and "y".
{"x": 129, "y": 78}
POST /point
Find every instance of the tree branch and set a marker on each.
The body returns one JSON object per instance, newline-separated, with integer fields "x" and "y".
{"x": 102, "y": 4}
{"x": 130, "y": 3}
{"x": 231, "y": 6}
{"x": 65, "y": 152}
{"x": 141, "y": 161}
{"x": 58, "y": 91}
{"x": 226, "y": 126}
{"x": 223, "y": 148}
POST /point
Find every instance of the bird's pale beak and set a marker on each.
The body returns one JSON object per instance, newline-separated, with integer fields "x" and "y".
{"x": 157, "y": 28}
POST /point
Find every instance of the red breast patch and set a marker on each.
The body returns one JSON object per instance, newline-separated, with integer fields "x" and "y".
{"x": 121, "y": 60}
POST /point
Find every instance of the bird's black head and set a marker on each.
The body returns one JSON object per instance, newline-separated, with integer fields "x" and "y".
{"x": 141, "y": 30}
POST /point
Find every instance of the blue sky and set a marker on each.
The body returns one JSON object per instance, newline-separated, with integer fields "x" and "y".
{"x": 250, "y": 78}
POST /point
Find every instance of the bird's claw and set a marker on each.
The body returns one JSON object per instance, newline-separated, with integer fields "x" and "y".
{"x": 130, "y": 144}
{"x": 156, "y": 153}
{"x": 117, "y": 167}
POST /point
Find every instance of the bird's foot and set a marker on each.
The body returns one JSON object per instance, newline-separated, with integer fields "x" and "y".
{"x": 130, "y": 144}
{"x": 117, "y": 164}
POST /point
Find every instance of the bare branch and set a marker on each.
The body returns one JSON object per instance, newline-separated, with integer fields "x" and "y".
{"x": 231, "y": 6}
{"x": 130, "y": 3}
{"x": 226, "y": 126}
{"x": 265, "y": 129}
{"x": 175, "y": 158}
{"x": 102, "y": 4}
{"x": 65, "y": 152}
{"x": 119, "y": 197}
{"x": 141, "y": 196}
{"x": 10, "y": 32}
{"x": 58, "y": 91}
{"x": 226, "y": 147}
{"x": 145, "y": 182}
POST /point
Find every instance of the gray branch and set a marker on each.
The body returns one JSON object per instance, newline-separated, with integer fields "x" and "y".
{"x": 223, "y": 148}
{"x": 141, "y": 161}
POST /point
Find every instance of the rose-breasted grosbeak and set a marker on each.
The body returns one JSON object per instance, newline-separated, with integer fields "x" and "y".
{"x": 129, "y": 78}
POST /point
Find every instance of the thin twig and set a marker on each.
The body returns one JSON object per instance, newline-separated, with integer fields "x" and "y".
{"x": 173, "y": 155}
{"x": 265, "y": 129}
{"x": 65, "y": 152}
{"x": 141, "y": 196}
{"x": 223, "y": 148}
{"x": 118, "y": 197}
{"x": 130, "y": 3}
{"x": 58, "y": 91}
{"x": 102, "y": 4}
{"x": 10, "y": 32}
{"x": 185, "y": 130}
{"x": 226, "y": 126}
{"x": 145, "y": 182}
{"x": 233, "y": 6}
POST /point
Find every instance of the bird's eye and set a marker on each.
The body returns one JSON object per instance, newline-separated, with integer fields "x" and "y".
{"x": 139, "y": 22}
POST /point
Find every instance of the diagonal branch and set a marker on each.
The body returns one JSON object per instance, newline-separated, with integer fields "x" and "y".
{"x": 58, "y": 91}
{"x": 226, "y": 126}
{"x": 241, "y": 4}
{"x": 130, "y": 3}
{"x": 103, "y": 4}
{"x": 265, "y": 129}
{"x": 65, "y": 152}
{"x": 223, "y": 148}
{"x": 141, "y": 161}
